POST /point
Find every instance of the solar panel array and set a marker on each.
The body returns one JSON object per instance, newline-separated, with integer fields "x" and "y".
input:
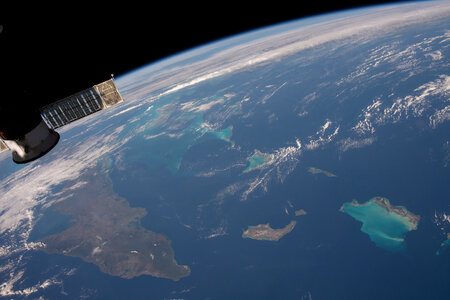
{"x": 81, "y": 104}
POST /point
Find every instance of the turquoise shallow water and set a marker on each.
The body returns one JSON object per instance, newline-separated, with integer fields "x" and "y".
{"x": 166, "y": 130}
{"x": 386, "y": 229}
{"x": 257, "y": 160}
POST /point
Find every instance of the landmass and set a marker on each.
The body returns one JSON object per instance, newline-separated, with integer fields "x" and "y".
{"x": 300, "y": 212}
{"x": 266, "y": 233}
{"x": 319, "y": 171}
{"x": 107, "y": 232}
{"x": 385, "y": 224}
{"x": 258, "y": 160}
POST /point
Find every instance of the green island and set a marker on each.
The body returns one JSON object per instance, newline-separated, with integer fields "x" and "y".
{"x": 313, "y": 170}
{"x": 107, "y": 232}
{"x": 300, "y": 212}
{"x": 258, "y": 160}
{"x": 385, "y": 224}
{"x": 266, "y": 233}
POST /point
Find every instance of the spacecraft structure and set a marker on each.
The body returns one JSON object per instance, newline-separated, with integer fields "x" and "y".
{"x": 41, "y": 137}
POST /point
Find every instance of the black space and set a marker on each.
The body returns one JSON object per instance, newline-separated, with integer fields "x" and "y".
{"x": 52, "y": 51}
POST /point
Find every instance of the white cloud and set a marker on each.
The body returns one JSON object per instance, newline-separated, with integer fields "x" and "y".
{"x": 149, "y": 137}
{"x": 268, "y": 96}
{"x": 416, "y": 105}
{"x": 365, "y": 124}
{"x": 430, "y": 100}
{"x": 96, "y": 250}
{"x": 440, "y": 116}
{"x": 283, "y": 161}
{"x": 350, "y": 143}
{"x": 442, "y": 221}
{"x": 127, "y": 110}
{"x": 323, "y": 136}
{"x": 16, "y": 273}
{"x": 220, "y": 231}
{"x": 395, "y": 57}
{"x": 436, "y": 55}
{"x": 204, "y": 107}
{"x": 7, "y": 288}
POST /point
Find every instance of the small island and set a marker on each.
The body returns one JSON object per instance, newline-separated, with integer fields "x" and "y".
{"x": 258, "y": 160}
{"x": 300, "y": 212}
{"x": 385, "y": 224}
{"x": 266, "y": 233}
{"x": 107, "y": 232}
{"x": 445, "y": 244}
{"x": 313, "y": 170}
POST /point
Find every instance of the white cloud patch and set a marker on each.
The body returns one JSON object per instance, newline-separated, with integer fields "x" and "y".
{"x": 350, "y": 143}
{"x": 416, "y": 105}
{"x": 431, "y": 100}
{"x": 7, "y": 288}
{"x": 327, "y": 132}
{"x": 154, "y": 136}
{"x": 217, "y": 232}
{"x": 435, "y": 55}
{"x": 126, "y": 110}
{"x": 442, "y": 221}
{"x": 206, "y": 106}
{"x": 16, "y": 271}
{"x": 439, "y": 116}
{"x": 270, "y": 95}
{"x": 396, "y": 57}
{"x": 284, "y": 161}
{"x": 96, "y": 250}
{"x": 369, "y": 113}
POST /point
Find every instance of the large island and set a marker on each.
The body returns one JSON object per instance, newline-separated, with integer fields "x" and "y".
{"x": 385, "y": 223}
{"x": 107, "y": 232}
{"x": 267, "y": 233}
